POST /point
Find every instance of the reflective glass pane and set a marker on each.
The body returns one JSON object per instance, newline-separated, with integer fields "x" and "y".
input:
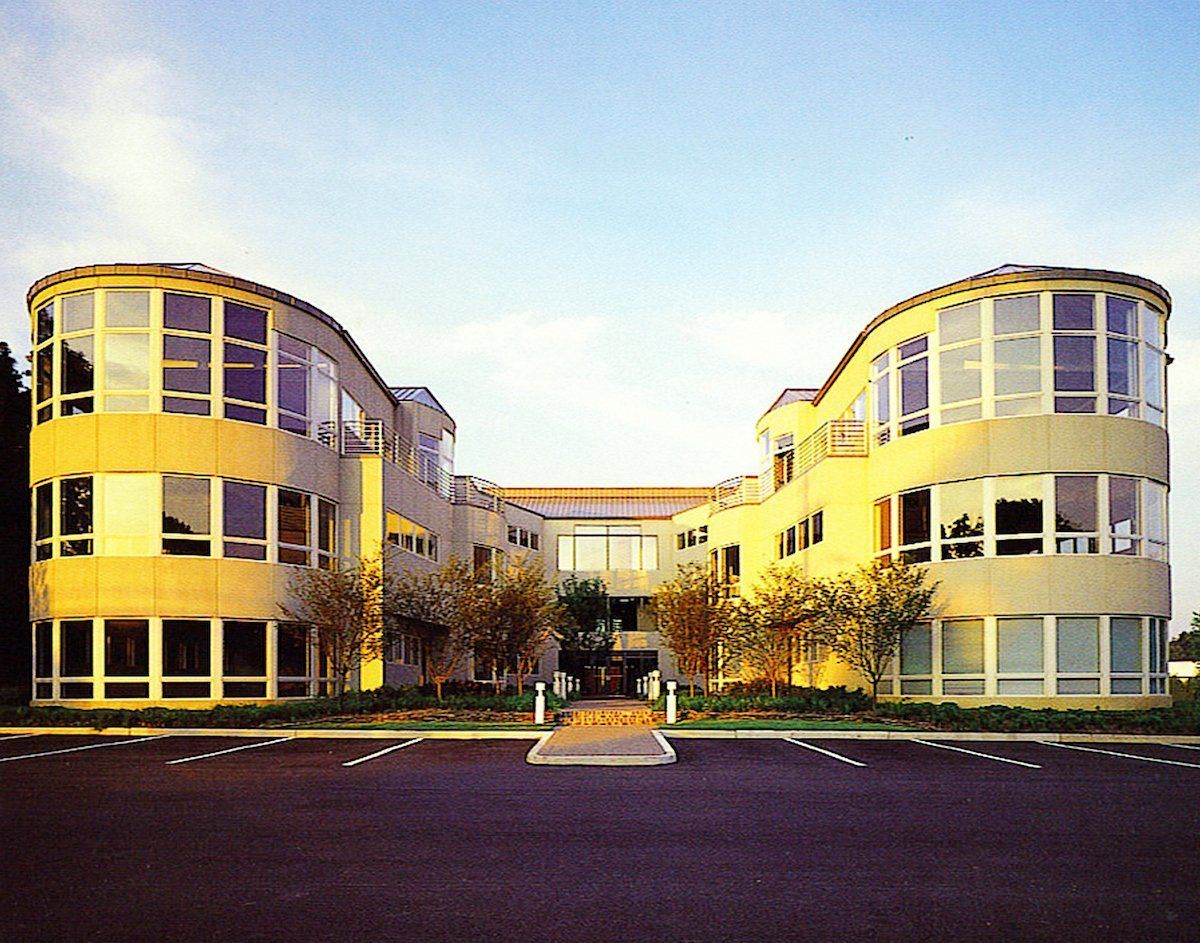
{"x": 75, "y": 506}
{"x": 958, "y": 324}
{"x": 1152, "y": 364}
{"x": 186, "y": 366}
{"x": 1125, "y": 644}
{"x": 292, "y": 650}
{"x": 916, "y": 650}
{"x": 77, "y": 363}
{"x": 1078, "y": 685}
{"x": 914, "y": 517}
{"x": 961, "y": 509}
{"x": 185, "y": 505}
{"x": 1019, "y": 505}
{"x": 914, "y": 386}
{"x": 245, "y": 510}
{"x": 127, "y": 308}
{"x": 883, "y": 406}
{"x": 1122, "y": 367}
{"x": 293, "y": 517}
{"x": 187, "y": 312}
{"x": 1017, "y": 686}
{"x": 127, "y": 361}
{"x": 43, "y": 511}
{"x": 1078, "y": 645}
{"x": 1074, "y": 312}
{"x": 187, "y": 645}
{"x": 1154, "y": 510}
{"x": 77, "y": 313}
{"x": 44, "y": 373}
{"x": 293, "y": 385}
{"x": 962, "y": 646}
{"x": 245, "y": 649}
{"x": 326, "y": 526}
{"x": 962, "y": 372}
{"x": 1121, "y": 315}
{"x": 45, "y": 323}
{"x": 1019, "y": 647}
{"x": 1075, "y": 503}
{"x": 245, "y": 373}
{"x": 1074, "y": 362}
{"x": 1152, "y": 326}
{"x": 75, "y": 653}
{"x": 127, "y": 647}
{"x": 1016, "y": 315}
{"x": 883, "y": 524}
{"x": 245, "y": 323}
{"x": 1018, "y": 366}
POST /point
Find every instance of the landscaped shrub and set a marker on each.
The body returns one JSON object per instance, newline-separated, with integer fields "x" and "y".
{"x": 837, "y": 700}
{"x": 1178, "y": 719}
{"x": 261, "y": 715}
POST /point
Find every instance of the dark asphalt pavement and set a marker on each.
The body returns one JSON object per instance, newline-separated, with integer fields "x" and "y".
{"x": 460, "y": 840}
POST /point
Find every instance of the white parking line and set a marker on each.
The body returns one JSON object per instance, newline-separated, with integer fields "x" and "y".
{"x": 90, "y": 746}
{"x": 986, "y": 756}
{"x": 385, "y": 750}
{"x": 1128, "y": 756}
{"x": 836, "y": 756}
{"x": 245, "y": 746}
{"x": 1185, "y": 746}
{"x": 18, "y": 736}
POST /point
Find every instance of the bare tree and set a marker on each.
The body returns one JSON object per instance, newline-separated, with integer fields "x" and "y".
{"x": 866, "y": 613}
{"x": 698, "y": 622}
{"x": 344, "y": 608}
{"x": 434, "y": 605}
{"x": 780, "y": 613}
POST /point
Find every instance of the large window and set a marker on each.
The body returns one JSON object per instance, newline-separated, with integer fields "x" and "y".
{"x": 411, "y": 536}
{"x": 962, "y": 654}
{"x": 801, "y": 535}
{"x": 916, "y": 660}
{"x": 1075, "y": 514}
{"x": 1124, "y": 521}
{"x": 186, "y": 652}
{"x": 295, "y": 527}
{"x": 607, "y": 547}
{"x": 245, "y": 648}
{"x": 244, "y": 513}
{"x": 75, "y": 516}
{"x": 1018, "y": 508}
{"x": 914, "y": 526}
{"x": 1020, "y": 656}
{"x": 1078, "y": 655}
{"x": 1125, "y": 655}
{"x": 186, "y": 521}
{"x": 961, "y": 519}
{"x": 913, "y": 371}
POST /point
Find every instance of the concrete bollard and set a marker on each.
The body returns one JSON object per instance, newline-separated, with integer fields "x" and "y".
{"x": 654, "y": 687}
{"x": 539, "y": 703}
{"x": 672, "y": 703}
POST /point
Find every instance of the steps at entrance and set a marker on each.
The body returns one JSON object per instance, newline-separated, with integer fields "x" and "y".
{"x": 601, "y": 717}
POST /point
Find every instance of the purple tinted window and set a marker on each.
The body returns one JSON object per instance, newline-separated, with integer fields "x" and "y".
{"x": 245, "y": 413}
{"x": 914, "y": 387}
{"x": 1074, "y": 362}
{"x": 186, "y": 312}
{"x": 76, "y": 362}
{"x": 1074, "y": 404}
{"x": 1122, "y": 315}
{"x": 1073, "y": 312}
{"x": 913, "y": 347}
{"x": 1122, "y": 367}
{"x": 245, "y": 510}
{"x": 185, "y": 364}
{"x": 45, "y": 323}
{"x": 245, "y": 323}
{"x": 293, "y": 386}
{"x": 180, "y": 404}
{"x": 245, "y": 373}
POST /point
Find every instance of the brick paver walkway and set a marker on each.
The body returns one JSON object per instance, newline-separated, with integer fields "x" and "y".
{"x": 602, "y": 741}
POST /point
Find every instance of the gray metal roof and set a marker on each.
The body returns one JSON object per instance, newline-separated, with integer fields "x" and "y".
{"x": 418, "y": 394}
{"x": 612, "y": 503}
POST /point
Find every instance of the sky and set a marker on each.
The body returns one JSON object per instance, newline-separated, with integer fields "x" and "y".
{"x": 608, "y": 234}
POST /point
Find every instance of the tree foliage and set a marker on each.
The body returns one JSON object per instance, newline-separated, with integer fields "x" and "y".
{"x": 519, "y": 616}
{"x": 698, "y": 622}
{"x": 436, "y": 607}
{"x": 585, "y": 626}
{"x": 780, "y": 614}
{"x": 14, "y": 528}
{"x": 345, "y": 609}
{"x": 1186, "y": 645}
{"x": 866, "y": 613}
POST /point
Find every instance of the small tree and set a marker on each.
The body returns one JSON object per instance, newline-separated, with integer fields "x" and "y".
{"x": 697, "y": 622}
{"x": 1186, "y": 645}
{"x": 780, "y": 613}
{"x": 525, "y": 612}
{"x": 344, "y": 608}
{"x": 435, "y": 606}
{"x": 585, "y": 626}
{"x": 866, "y": 613}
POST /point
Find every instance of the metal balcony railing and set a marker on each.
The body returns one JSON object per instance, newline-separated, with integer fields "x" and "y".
{"x": 733, "y": 492}
{"x": 374, "y": 437}
{"x": 478, "y": 493}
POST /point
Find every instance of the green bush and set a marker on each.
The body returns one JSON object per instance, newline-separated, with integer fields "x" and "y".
{"x": 837, "y": 700}
{"x": 263, "y": 715}
{"x": 1178, "y": 719}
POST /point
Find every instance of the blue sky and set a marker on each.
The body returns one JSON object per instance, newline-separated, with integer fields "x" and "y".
{"x": 607, "y": 234}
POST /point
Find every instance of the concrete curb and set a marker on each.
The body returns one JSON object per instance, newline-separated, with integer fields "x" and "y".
{"x": 686, "y": 734}
{"x": 314, "y": 734}
{"x": 536, "y": 757}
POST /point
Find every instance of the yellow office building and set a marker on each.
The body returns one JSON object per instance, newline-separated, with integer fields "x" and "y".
{"x": 197, "y": 437}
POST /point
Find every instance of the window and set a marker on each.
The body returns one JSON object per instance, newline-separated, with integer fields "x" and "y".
{"x": 187, "y": 313}
{"x": 962, "y": 648}
{"x": 1078, "y": 653}
{"x": 292, "y": 385}
{"x": 528, "y": 539}
{"x": 1125, "y": 655}
{"x": 1074, "y": 371}
{"x": 186, "y": 370}
{"x": 817, "y": 529}
{"x": 1153, "y": 364}
{"x": 186, "y": 648}
{"x": 1020, "y": 651}
{"x": 960, "y": 527}
{"x": 411, "y": 536}
{"x": 916, "y": 658}
{"x": 1016, "y": 315}
{"x": 126, "y": 647}
{"x": 1075, "y": 514}
{"x": 327, "y": 535}
{"x": 127, "y": 309}
{"x": 294, "y": 512}
{"x": 914, "y": 526}
{"x": 185, "y": 516}
{"x": 881, "y": 394}
{"x": 1074, "y": 312}
{"x": 484, "y": 561}
{"x": 1122, "y": 377}
{"x": 1123, "y": 518}
{"x": 75, "y": 516}
{"x": 1158, "y": 656}
{"x": 75, "y": 651}
{"x": 243, "y": 322}
{"x": 914, "y": 385}
{"x": 127, "y": 370}
{"x": 43, "y": 651}
{"x": 727, "y": 566}
{"x": 784, "y": 463}
{"x": 1017, "y": 372}
{"x": 958, "y": 324}
{"x": 245, "y": 374}
{"x": 405, "y": 650}
{"x": 77, "y": 368}
{"x": 883, "y": 526}
{"x": 1018, "y": 515}
{"x": 608, "y": 547}
{"x": 1154, "y": 510}
{"x": 244, "y": 514}
{"x": 292, "y": 657}
{"x": 78, "y": 313}
{"x": 129, "y": 525}
{"x": 245, "y": 647}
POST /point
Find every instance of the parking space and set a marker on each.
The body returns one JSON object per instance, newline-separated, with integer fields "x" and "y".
{"x": 450, "y": 840}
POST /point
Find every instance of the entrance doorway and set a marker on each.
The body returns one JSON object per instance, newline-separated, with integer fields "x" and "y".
{"x": 608, "y": 674}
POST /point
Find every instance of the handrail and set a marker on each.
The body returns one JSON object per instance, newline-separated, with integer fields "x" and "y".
{"x": 374, "y": 437}
{"x": 478, "y": 492}
{"x": 733, "y": 492}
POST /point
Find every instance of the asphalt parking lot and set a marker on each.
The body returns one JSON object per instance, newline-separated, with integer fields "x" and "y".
{"x": 462, "y": 840}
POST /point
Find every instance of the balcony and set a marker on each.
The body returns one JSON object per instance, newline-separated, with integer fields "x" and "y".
{"x": 478, "y": 493}
{"x": 733, "y": 492}
{"x": 374, "y": 437}
{"x": 839, "y": 438}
